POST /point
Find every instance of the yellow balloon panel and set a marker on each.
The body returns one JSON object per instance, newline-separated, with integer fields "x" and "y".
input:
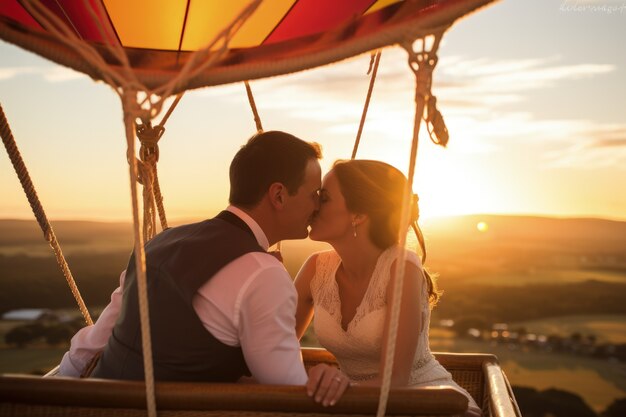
{"x": 207, "y": 19}
{"x": 261, "y": 23}
{"x": 147, "y": 23}
{"x": 380, "y": 4}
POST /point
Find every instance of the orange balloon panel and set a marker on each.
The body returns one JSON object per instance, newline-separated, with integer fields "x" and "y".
{"x": 279, "y": 37}
{"x": 153, "y": 24}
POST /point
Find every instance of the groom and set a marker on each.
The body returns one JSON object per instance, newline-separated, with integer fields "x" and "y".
{"x": 220, "y": 306}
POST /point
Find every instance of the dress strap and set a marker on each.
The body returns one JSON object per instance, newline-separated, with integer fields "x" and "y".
{"x": 323, "y": 282}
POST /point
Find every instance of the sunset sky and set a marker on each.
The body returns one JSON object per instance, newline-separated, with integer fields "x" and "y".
{"x": 533, "y": 93}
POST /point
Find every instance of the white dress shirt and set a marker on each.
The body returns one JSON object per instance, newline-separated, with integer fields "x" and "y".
{"x": 251, "y": 302}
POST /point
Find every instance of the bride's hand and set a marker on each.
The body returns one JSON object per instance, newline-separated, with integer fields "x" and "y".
{"x": 326, "y": 384}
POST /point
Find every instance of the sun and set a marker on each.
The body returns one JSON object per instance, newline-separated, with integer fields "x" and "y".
{"x": 482, "y": 227}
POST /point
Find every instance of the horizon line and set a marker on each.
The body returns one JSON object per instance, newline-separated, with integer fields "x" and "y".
{"x": 425, "y": 219}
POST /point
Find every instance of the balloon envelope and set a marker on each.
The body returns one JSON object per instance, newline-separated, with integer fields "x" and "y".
{"x": 279, "y": 37}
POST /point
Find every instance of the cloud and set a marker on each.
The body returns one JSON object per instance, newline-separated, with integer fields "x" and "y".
{"x": 477, "y": 96}
{"x": 60, "y": 74}
{"x": 591, "y": 146}
{"x": 8, "y": 73}
{"x": 609, "y": 143}
{"x": 52, "y": 74}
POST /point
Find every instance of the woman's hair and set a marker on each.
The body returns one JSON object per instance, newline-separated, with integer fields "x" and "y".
{"x": 377, "y": 189}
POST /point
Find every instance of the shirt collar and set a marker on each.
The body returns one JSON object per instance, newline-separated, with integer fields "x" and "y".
{"x": 252, "y": 224}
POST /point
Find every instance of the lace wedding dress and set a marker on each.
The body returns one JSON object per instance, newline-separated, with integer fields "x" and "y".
{"x": 358, "y": 348}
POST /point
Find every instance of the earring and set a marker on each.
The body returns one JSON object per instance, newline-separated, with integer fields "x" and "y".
{"x": 353, "y": 229}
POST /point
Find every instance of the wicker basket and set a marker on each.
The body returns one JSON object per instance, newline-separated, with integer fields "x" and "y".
{"x": 480, "y": 374}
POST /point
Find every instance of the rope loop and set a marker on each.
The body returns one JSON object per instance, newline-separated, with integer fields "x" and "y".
{"x": 423, "y": 63}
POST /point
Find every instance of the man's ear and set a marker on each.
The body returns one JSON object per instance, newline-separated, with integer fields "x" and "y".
{"x": 276, "y": 194}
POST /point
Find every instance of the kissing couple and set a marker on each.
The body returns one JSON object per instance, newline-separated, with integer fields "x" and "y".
{"x": 223, "y": 309}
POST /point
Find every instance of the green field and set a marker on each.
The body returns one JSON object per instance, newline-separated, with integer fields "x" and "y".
{"x": 38, "y": 360}
{"x": 545, "y": 276}
{"x": 598, "y": 382}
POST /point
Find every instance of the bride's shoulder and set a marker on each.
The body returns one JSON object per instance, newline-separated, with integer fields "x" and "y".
{"x": 410, "y": 255}
{"x": 324, "y": 256}
{"x": 325, "y": 261}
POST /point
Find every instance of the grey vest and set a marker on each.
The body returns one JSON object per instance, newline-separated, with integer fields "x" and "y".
{"x": 178, "y": 262}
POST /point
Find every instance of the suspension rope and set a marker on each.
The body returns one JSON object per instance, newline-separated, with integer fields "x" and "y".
{"x": 149, "y": 137}
{"x": 259, "y": 129}
{"x": 422, "y": 63}
{"x": 255, "y": 112}
{"x": 375, "y": 59}
{"x": 171, "y": 109}
{"x": 149, "y": 154}
{"x": 40, "y": 215}
{"x": 129, "y": 104}
{"x": 158, "y": 197}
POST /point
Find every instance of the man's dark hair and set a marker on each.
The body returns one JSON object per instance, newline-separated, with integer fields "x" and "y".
{"x": 269, "y": 157}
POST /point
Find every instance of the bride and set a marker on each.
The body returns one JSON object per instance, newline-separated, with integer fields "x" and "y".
{"x": 348, "y": 290}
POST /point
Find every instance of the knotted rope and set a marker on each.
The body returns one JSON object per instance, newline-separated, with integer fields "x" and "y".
{"x": 40, "y": 215}
{"x": 374, "y": 61}
{"x": 149, "y": 154}
{"x": 149, "y": 137}
{"x": 422, "y": 63}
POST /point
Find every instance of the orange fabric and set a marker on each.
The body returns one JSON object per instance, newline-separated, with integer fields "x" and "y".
{"x": 278, "y": 38}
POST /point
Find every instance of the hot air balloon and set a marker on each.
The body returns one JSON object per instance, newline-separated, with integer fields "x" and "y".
{"x": 149, "y": 51}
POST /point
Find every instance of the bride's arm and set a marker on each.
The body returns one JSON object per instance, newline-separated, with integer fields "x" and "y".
{"x": 304, "y": 311}
{"x": 409, "y": 326}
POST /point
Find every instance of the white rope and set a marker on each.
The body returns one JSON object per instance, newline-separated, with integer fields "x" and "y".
{"x": 129, "y": 102}
{"x": 422, "y": 64}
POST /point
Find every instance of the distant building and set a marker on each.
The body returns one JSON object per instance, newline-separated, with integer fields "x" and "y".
{"x": 31, "y": 314}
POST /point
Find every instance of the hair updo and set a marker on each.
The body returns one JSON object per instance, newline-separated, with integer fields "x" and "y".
{"x": 377, "y": 189}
